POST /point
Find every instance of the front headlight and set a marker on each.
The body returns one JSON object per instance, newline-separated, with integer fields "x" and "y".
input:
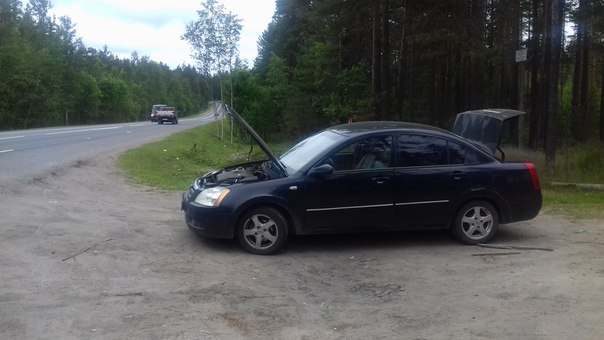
{"x": 211, "y": 197}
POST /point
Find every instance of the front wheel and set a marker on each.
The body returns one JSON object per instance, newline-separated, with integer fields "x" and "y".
{"x": 262, "y": 231}
{"x": 476, "y": 222}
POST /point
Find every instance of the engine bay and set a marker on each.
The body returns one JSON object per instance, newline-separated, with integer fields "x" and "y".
{"x": 240, "y": 174}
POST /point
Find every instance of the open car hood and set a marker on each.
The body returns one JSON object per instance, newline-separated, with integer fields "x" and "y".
{"x": 483, "y": 127}
{"x": 256, "y": 138}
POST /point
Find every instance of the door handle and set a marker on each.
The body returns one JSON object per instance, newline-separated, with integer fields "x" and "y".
{"x": 457, "y": 174}
{"x": 380, "y": 179}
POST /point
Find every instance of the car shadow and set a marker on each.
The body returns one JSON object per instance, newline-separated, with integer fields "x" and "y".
{"x": 369, "y": 241}
{"x": 366, "y": 241}
{"x": 520, "y": 233}
{"x": 341, "y": 242}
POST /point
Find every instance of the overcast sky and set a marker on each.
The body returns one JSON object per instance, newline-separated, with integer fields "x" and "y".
{"x": 153, "y": 27}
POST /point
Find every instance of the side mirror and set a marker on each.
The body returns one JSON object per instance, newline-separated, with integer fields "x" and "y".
{"x": 321, "y": 170}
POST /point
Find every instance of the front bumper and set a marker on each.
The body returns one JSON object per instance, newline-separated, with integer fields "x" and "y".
{"x": 207, "y": 221}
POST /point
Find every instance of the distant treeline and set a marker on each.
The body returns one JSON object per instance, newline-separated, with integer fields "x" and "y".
{"x": 49, "y": 78}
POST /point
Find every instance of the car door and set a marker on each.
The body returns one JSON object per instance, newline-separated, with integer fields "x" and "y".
{"x": 430, "y": 175}
{"x": 358, "y": 193}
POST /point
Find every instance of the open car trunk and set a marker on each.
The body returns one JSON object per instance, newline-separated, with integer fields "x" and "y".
{"x": 484, "y": 127}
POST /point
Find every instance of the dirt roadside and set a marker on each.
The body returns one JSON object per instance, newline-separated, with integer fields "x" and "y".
{"x": 86, "y": 255}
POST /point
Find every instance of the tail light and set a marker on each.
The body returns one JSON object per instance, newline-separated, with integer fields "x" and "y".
{"x": 534, "y": 176}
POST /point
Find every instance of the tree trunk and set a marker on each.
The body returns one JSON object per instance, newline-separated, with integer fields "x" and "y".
{"x": 444, "y": 93}
{"x": 477, "y": 59}
{"x": 515, "y": 27}
{"x": 554, "y": 18}
{"x": 580, "y": 93}
{"x": 377, "y": 60}
{"x": 411, "y": 68}
{"x": 536, "y": 63}
{"x": 602, "y": 106}
{"x": 503, "y": 92}
{"x": 399, "y": 98}
{"x": 385, "y": 62}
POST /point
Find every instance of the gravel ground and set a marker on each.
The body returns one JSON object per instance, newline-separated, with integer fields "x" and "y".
{"x": 86, "y": 255}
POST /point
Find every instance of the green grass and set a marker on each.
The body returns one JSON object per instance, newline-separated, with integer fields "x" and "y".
{"x": 576, "y": 202}
{"x": 173, "y": 163}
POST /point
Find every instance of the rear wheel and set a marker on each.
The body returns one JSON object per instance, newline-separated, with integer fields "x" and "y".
{"x": 476, "y": 222}
{"x": 262, "y": 231}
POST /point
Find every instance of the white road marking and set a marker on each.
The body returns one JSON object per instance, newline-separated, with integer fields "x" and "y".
{"x": 11, "y": 137}
{"x": 5, "y": 151}
{"x": 84, "y": 130}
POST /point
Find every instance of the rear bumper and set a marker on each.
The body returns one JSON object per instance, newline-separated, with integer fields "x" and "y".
{"x": 166, "y": 119}
{"x": 524, "y": 209}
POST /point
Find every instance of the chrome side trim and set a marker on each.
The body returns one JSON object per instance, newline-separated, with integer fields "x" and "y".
{"x": 376, "y": 205}
{"x": 423, "y": 202}
{"x": 352, "y": 207}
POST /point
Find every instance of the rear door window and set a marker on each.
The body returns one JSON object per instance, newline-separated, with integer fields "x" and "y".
{"x": 415, "y": 150}
{"x": 420, "y": 150}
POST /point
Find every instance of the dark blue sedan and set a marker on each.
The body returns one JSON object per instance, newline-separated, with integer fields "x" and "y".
{"x": 369, "y": 176}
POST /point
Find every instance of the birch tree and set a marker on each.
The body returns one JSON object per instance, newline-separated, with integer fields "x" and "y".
{"x": 214, "y": 36}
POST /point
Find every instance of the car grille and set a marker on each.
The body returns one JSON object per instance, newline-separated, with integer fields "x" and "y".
{"x": 190, "y": 193}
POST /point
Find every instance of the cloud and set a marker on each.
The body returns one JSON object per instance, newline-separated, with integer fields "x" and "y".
{"x": 154, "y": 28}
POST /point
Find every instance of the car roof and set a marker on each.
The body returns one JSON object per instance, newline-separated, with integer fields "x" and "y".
{"x": 361, "y": 128}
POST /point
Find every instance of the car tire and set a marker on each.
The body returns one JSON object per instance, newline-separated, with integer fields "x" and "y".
{"x": 475, "y": 222}
{"x": 262, "y": 230}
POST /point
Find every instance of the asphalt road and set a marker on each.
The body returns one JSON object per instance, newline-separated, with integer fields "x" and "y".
{"x": 24, "y": 154}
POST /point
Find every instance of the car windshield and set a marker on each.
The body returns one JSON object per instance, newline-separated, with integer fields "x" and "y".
{"x": 308, "y": 150}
